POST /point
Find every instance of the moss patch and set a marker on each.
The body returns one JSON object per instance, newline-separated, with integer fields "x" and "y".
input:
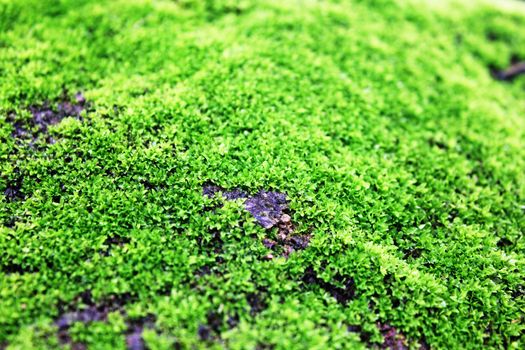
{"x": 370, "y": 171}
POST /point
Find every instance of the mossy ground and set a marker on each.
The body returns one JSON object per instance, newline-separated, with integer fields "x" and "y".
{"x": 400, "y": 156}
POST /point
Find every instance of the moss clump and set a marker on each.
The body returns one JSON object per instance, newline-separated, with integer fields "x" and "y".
{"x": 397, "y": 157}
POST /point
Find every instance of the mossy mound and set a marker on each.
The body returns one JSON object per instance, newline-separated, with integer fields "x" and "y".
{"x": 260, "y": 174}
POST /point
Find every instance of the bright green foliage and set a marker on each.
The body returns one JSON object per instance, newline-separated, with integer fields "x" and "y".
{"x": 379, "y": 119}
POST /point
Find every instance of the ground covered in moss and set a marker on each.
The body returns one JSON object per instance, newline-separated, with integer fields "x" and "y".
{"x": 262, "y": 174}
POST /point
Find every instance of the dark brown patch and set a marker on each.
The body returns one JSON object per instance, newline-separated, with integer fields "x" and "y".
{"x": 44, "y": 116}
{"x": 342, "y": 294}
{"x": 392, "y": 339}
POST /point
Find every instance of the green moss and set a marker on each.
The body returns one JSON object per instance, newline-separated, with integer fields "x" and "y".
{"x": 380, "y": 120}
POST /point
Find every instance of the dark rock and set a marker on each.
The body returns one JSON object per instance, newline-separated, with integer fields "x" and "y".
{"x": 511, "y": 72}
{"x": 210, "y": 191}
{"x": 234, "y": 194}
{"x": 267, "y": 207}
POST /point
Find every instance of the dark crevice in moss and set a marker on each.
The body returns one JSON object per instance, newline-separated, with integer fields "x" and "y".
{"x": 363, "y": 335}
{"x": 342, "y": 294}
{"x": 257, "y": 301}
{"x": 14, "y": 268}
{"x": 114, "y": 240}
{"x": 211, "y": 331}
{"x": 413, "y": 253}
{"x": 264, "y": 346}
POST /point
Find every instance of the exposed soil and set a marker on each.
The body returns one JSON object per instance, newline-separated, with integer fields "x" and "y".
{"x": 392, "y": 339}
{"x": 92, "y": 311}
{"x": 44, "y": 116}
{"x": 134, "y": 339}
{"x": 13, "y": 190}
